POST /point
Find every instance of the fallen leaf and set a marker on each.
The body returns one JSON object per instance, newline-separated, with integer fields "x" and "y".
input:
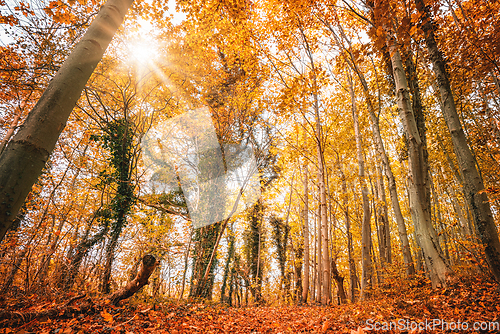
{"x": 359, "y": 331}
{"x": 325, "y": 326}
{"x": 106, "y": 316}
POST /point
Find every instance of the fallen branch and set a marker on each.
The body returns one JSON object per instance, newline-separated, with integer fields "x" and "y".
{"x": 149, "y": 263}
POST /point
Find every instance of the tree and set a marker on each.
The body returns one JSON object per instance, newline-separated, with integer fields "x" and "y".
{"x": 418, "y": 169}
{"x": 352, "y": 62}
{"x": 473, "y": 184}
{"x": 305, "y": 218}
{"x": 366, "y": 242}
{"x": 254, "y": 239}
{"x": 280, "y": 234}
{"x": 26, "y": 154}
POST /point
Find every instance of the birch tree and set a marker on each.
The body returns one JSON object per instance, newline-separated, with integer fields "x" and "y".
{"x": 29, "y": 149}
{"x": 473, "y": 186}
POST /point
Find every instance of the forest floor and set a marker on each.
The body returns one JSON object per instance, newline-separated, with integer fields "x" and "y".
{"x": 411, "y": 307}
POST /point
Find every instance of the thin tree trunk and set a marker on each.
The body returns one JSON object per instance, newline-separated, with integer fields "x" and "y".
{"x": 350, "y": 251}
{"x": 109, "y": 258}
{"x": 230, "y": 255}
{"x": 439, "y": 221}
{"x": 384, "y": 219}
{"x": 315, "y": 262}
{"x": 319, "y": 262}
{"x": 323, "y": 209}
{"x": 186, "y": 260}
{"x": 305, "y": 216}
{"x": 366, "y": 268}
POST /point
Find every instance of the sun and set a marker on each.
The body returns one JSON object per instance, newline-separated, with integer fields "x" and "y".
{"x": 143, "y": 52}
{"x": 142, "y": 47}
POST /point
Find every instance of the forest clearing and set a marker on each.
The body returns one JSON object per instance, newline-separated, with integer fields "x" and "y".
{"x": 241, "y": 166}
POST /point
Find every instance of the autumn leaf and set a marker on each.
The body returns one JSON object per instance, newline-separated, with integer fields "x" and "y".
{"x": 106, "y": 316}
{"x": 325, "y": 326}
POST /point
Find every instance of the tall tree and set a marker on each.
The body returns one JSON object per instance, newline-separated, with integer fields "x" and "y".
{"x": 366, "y": 242}
{"x": 472, "y": 181}
{"x": 280, "y": 238}
{"x": 118, "y": 138}
{"x": 26, "y": 154}
{"x": 305, "y": 219}
{"x": 254, "y": 242}
{"x": 418, "y": 169}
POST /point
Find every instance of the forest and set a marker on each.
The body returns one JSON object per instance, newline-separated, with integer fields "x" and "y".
{"x": 249, "y": 166}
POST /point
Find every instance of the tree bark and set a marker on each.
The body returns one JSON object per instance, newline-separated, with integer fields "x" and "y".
{"x": 366, "y": 261}
{"x": 305, "y": 215}
{"x": 186, "y": 260}
{"x": 353, "y": 279}
{"x": 472, "y": 180}
{"x": 230, "y": 255}
{"x": 319, "y": 262}
{"x": 419, "y": 204}
{"x": 383, "y": 217}
{"x": 323, "y": 209}
{"x": 26, "y": 154}
{"x": 340, "y": 282}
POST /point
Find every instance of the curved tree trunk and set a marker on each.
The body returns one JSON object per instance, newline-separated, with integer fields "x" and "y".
{"x": 149, "y": 263}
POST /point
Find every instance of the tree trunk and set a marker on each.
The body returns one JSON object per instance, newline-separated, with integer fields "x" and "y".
{"x": 109, "y": 258}
{"x": 473, "y": 183}
{"x": 340, "y": 282}
{"x": 315, "y": 262}
{"x": 230, "y": 255}
{"x": 26, "y": 154}
{"x": 149, "y": 263}
{"x": 383, "y": 217}
{"x": 418, "y": 189}
{"x": 186, "y": 261}
{"x": 319, "y": 262}
{"x": 323, "y": 209}
{"x": 366, "y": 263}
{"x": 202, "y": 278}
{"x": 305, "y": 215}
